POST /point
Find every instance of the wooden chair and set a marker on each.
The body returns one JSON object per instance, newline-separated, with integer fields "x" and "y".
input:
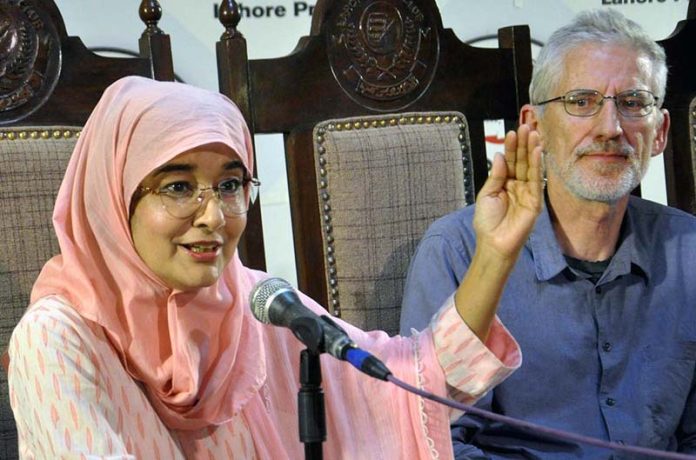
{"x": 49, "y": 84}
{"x": 680, "y": 100}
{"x": 382, "y": 111}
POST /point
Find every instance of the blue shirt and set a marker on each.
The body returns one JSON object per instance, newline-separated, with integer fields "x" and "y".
{"x": 615, "y": 360}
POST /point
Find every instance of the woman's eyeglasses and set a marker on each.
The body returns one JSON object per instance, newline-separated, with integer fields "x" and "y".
{"x": 182, "y": 200}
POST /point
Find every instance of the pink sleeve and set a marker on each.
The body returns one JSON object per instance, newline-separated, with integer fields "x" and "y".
{"x": 472, "y": 367}
{"x": 446, "y": 359}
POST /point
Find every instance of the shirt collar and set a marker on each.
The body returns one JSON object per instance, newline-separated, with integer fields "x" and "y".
{"x": 636, "y": 244}
{"x": 546, "y": 252}
{"x": 632, "y": 254}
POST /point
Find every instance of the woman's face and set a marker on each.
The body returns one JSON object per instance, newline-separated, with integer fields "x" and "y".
{"x": 188, "y": 253}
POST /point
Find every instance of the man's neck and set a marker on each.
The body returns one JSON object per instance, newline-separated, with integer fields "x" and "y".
{"x": 586, "y": 230}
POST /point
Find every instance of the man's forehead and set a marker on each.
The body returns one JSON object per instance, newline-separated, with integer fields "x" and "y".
{"x": 598, "y": 66}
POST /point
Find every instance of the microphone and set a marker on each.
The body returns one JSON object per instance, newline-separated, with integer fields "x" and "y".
{"x": 274, "y": 301}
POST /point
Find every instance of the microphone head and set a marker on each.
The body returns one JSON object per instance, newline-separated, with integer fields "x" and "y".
{"x": 262, "y": 295}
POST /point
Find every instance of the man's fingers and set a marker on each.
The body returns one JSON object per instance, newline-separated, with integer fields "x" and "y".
{"x": 511, "y": 152}
{"x": 534, "y": 147}
{"x": 521, "y": 165}
{"x": 496, "y": 180}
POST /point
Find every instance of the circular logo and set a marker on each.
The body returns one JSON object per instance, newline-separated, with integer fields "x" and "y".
{"x": 382, "y": 27}
{"x": 29, "y": 59}
{"x": 384, "y": 53}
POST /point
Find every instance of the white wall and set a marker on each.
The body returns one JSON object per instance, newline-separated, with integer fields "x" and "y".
{"x": 194, "y": 31}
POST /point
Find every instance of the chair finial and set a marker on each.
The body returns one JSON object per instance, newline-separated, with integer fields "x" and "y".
{"x": 150, "y": 13}
{"x": 229, "y": 17}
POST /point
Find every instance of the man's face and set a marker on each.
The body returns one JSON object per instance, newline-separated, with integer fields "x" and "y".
{"x": 602, "y": 157}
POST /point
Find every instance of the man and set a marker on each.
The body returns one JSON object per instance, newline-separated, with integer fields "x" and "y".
{"x": 603, "y": 297}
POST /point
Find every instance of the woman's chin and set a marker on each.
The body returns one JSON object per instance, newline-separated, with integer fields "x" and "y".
{"x": 193, "y": 283}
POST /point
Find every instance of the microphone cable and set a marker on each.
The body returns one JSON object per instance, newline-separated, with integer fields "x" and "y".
{"x": 551, "y": 432}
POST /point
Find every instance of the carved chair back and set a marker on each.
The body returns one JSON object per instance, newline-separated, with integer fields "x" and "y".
{"x": 363, "y": 63}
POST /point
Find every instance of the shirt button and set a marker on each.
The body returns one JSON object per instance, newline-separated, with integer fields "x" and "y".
{"x": 611, "y": 402}
{"x": 606, "y": 346}
{"x": 598, "y": 289}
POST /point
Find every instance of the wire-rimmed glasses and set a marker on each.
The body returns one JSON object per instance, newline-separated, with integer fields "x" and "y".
{"x": 633, "y": 103}
{"x": 181, "y": 200}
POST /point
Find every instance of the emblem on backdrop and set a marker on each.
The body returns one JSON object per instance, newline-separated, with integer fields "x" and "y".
{"x": 29, "y": 58}
{"x": 384, "y": 53}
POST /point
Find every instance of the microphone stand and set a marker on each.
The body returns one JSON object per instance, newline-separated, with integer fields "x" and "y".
{"x": 310, "y": 397}
{"x": 310, "y": 404}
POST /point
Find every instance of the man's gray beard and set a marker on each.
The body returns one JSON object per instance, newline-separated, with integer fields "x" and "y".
{"x": 595, "y": 188}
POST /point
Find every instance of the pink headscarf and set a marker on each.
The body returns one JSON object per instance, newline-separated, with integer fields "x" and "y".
{"x": 199, "y": 353}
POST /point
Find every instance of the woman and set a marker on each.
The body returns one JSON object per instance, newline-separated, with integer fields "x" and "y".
{"x": 140, "y": 341}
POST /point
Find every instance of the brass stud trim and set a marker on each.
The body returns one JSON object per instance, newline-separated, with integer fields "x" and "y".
{"x": 35, "y": 134}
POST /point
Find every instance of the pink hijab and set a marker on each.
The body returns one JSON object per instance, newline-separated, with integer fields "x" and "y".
{"x": 199, "y": 354}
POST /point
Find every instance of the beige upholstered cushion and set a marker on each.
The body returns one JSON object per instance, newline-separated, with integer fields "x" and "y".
{"x": 32, "y": 165}
{"x": 382, "y": 181}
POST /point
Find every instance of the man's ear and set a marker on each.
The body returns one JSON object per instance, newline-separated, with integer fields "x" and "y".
{"x": 660, "y": 141}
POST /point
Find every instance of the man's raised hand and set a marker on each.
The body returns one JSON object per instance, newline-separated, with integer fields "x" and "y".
{"x": 511, "y": 199}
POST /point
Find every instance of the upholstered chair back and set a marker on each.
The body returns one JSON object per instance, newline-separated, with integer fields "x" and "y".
{"x": 32, "y": 164}
{"x": 381, "y": 180}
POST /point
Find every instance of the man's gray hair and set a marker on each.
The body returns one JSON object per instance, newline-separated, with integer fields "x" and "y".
{"x": 606, "y": 26}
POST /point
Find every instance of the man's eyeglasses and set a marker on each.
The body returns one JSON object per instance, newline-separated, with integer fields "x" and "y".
{"x": 182, "y": 200}
{"x": 588, "y": 102}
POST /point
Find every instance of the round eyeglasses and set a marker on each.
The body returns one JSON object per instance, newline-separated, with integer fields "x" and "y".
{"x": 182, "y": 200}
{"x": 588, "y": 102}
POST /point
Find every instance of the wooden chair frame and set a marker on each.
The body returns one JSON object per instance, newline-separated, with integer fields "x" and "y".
{"x": 319, "y": 81}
